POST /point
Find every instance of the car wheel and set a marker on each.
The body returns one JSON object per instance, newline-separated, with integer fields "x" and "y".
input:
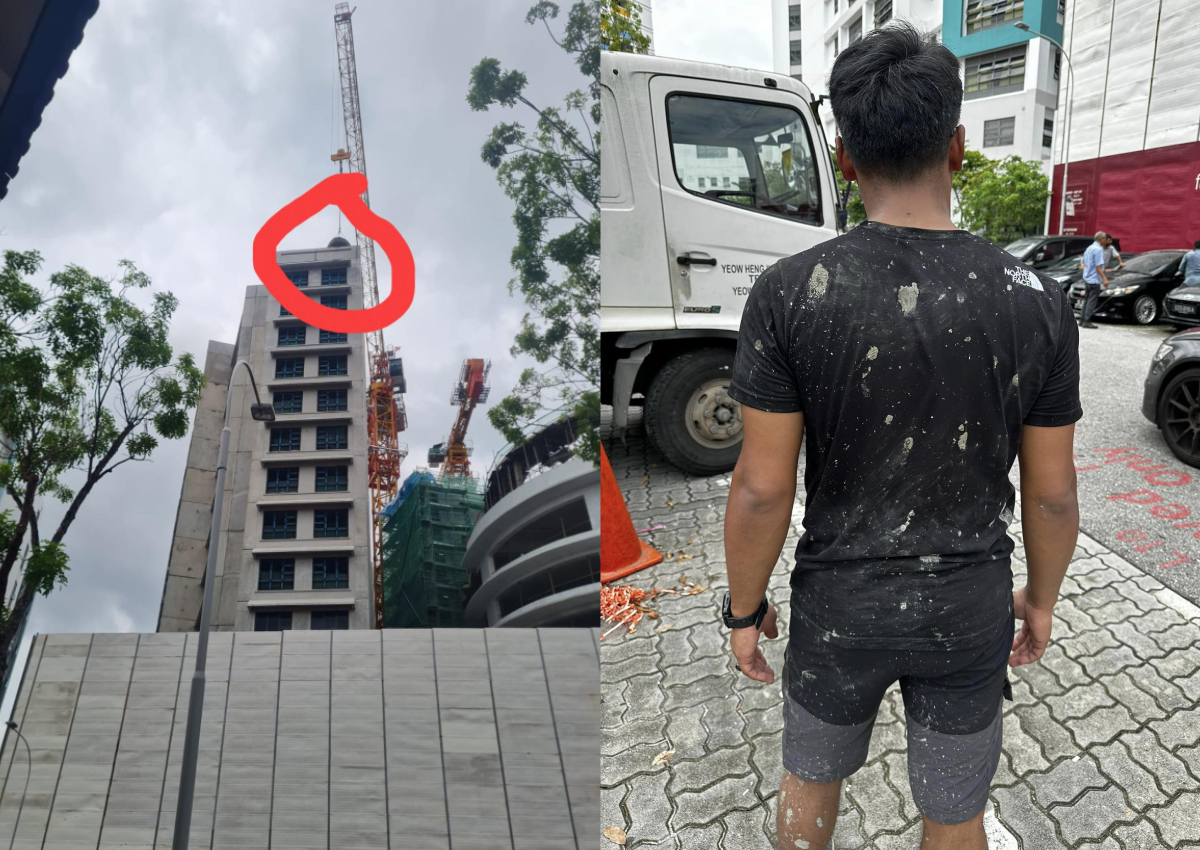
{"x": 689, "y": 415}
{"x": 1179, "y": 416}
{"x": 1145, "y": 310}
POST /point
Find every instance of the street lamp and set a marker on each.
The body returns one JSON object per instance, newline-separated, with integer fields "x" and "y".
{"x": 1062, "y": 204}
{"x": 259, "y": 412}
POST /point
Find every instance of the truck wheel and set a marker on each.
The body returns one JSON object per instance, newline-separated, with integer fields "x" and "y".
{"x": 689, "y": 415}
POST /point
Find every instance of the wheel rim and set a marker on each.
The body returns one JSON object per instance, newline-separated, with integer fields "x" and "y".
{"x": 1182, "y": 421}
{"x": 1145, "y": 310}
{"x": 714, "y": 420}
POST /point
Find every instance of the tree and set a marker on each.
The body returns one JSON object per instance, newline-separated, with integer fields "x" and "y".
{"x": 1005, "y": 200}
{"x": 851, "y": 200}
{"x": 974, "y": 164}
{"x": 552, "y": 173}
{"x": 88, "y": 383}
{"x": 621, "y": 27}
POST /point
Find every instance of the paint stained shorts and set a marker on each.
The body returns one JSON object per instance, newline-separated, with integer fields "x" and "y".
{"x": 952, "y": 706}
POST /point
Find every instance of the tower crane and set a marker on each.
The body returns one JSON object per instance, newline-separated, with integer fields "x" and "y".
{"x": 471, "y": 390}
{"x": 386, "y": 416}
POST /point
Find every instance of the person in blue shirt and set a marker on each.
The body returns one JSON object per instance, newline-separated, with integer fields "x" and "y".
{"x": 1190, "y": 266}
{"x": 1093, "y": 278}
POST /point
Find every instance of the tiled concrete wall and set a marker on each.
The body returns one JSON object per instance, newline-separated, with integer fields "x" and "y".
{"x": 465, "y": 738}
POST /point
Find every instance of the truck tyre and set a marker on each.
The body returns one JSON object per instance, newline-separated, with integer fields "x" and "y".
{"x": 689, "y": 415}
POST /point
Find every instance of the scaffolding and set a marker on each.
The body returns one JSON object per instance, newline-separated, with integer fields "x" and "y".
{"x": 425, "y": 533}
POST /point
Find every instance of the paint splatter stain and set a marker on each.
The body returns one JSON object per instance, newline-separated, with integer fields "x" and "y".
{"x": 904, "y": 526}
{"x": 907, "y": 296}
{"x": 962, "y": 442}
{"x": 758, "y": 346}
{"x": 1016, "y": 379}
{"x": 888, "y": 419}
{"x": 872, "y": 352}
{"x": 960, "y": 298}
{"x": 971, "y": 275}
{"x": 818, "y": 282}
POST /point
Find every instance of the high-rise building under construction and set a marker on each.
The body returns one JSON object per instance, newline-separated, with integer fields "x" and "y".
{"x": 294, "y": 542}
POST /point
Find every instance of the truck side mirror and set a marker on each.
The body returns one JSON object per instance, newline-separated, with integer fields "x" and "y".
{"x": 1039, "y": 256}
{"x": 843, "y": 217}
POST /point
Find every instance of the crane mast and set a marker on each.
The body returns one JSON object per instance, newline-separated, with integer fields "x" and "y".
{"x": 470, "y": 391}
{"x": 386, "y": 415}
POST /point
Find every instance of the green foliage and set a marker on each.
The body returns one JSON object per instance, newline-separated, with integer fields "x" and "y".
{"x": 1001, "y": 200}
{"x": 88, "y": 382}
{"x": 46, "y": 568}
{"x": 552, "y": 174}
{"x": 621, "y": 28}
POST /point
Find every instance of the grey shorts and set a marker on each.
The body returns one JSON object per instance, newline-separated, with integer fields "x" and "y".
{"x": 952, "y": 706}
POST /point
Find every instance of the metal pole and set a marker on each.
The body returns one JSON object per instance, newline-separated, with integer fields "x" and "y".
{"x": 28, "y": 769}
{"x": 1062, "y": 204}
{"x": 191, "y": 740}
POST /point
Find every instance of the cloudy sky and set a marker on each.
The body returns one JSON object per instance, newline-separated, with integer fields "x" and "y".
{"x": 181, "y": 127}
{"x": 721, "y": 31}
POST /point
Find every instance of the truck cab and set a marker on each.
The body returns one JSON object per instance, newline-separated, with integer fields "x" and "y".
{"x": 709, "y": 175}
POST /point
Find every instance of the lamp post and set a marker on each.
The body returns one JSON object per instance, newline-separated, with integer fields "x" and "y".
{"x": 191, "y": 742}
{"x": 1062, "y": 204}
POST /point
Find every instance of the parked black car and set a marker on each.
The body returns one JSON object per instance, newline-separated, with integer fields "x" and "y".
{"x": 1043, "y": 251}
{"x": 1068, "y": 272}
{"x": 1171, "y": 395}
{"x": 1137, "y": 291}
{"x": 1181, "y": 307}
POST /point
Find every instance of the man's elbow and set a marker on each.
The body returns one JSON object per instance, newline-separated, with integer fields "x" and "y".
{"x": 1056, "y": 506}
{"x": 761, "y": 496}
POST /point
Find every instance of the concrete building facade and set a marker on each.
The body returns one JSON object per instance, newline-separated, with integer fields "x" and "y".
{"x": 463, "y": 738}
{"x": 533, "y": 559}
{"x": 1011, "y": 79}
{"x": 294, "y": 543}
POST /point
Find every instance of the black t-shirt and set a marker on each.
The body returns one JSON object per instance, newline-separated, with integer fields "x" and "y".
{"x": 916, "y": 356}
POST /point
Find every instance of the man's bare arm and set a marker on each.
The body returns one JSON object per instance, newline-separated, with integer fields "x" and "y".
{"x": 760, "y": 503}
{"x": 1050, "y": 524}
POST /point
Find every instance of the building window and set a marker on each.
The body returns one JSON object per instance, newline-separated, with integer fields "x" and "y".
{"x": 333, "y": 479}
{"x": 794, "y": 54}
{"x": 273, "y": 621}
{"x": 562, "y": 522}
{"x": 330, "y": 573}
{"x": 333, "y": 277}
{"x": 333, "y": 522}
{"x": 835, "y": 38}
{"x": 283, "y": 311}
{"x": 324, "y": 621}
{"x": 332, "y": 400}
{"x": 328, "y": 337}
{"x": 855, "y": 30}
{"x": 332, "y": 364}
{"x": 279, "y": 525}
{"x": 276, "y": 574}
{"x": 578, "y": 573}
{"x": 998, "y": 132}
{"x": 288, "y": 402}
{"x": 995, "y": 72}
{"x": 298, "y": 278}
{"x": 332, "y": 437}
{"x": 794, "y": 17}
{"x": 883, "y": 12}
{"x": 337, "y": 302}
{"x": 1048, "y": 129}
{"x": 985, "y": 14}
{"x": 292, "y": 336}
{"x": 1062, "y": 10}
{"x": 285, "y": 440}
{"x": 1057, "y": 62}
{"x": 283, "y": 479}
{"x": 289, "y": 367}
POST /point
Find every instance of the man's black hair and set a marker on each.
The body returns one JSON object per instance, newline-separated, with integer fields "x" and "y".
{"x": 1197, "y": 245}
{"x": 896, "y": 95}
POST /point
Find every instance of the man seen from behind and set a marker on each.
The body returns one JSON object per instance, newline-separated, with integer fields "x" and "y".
{"x": 918, "y": 362}
{"x": 1094, "y": 277}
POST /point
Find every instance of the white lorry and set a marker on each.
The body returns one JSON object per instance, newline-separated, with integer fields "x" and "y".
{"x": 709, "y": 174}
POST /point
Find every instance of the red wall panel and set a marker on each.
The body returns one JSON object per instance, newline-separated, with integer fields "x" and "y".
{"x": 1149, "y": 199}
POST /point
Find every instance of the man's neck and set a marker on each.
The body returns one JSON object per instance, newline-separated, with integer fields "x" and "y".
{"x": 920, "y": 204}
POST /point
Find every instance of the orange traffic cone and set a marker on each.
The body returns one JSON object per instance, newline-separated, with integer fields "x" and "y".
{"x": 621, "y": 552}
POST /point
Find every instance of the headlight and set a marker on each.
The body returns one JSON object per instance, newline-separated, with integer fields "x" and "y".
{"x": 1164, "y": 350}
{"x": 1120, "y": 290}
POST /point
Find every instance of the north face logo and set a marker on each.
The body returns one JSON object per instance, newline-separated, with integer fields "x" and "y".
{"x": 1025, "y": 277}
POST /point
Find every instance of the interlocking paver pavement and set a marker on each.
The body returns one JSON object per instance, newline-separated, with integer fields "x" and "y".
{"x": 1101, "y": 742}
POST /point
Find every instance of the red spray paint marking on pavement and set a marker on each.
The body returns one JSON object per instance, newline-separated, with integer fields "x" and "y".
{"x": 343, "y": 191}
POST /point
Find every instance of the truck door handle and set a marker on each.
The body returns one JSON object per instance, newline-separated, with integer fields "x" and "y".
{"x": 687, "y": 260}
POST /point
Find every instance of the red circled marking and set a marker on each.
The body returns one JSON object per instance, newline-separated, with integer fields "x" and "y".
{"x": 343, "y": 191}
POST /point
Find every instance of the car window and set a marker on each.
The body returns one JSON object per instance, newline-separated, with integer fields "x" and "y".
{"x": 1152, "y": 262}
{"x": 1078, "y": 246}
{"x": 1022, "y": 246}
{"x": 756, "y": 155}
{"x": 1053, "y": 250}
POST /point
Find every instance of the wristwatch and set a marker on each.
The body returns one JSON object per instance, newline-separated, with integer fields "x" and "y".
{"x": 733, "y": 622}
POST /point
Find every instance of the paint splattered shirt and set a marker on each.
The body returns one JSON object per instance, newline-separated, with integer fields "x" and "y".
{"x": 916, "y": 356}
